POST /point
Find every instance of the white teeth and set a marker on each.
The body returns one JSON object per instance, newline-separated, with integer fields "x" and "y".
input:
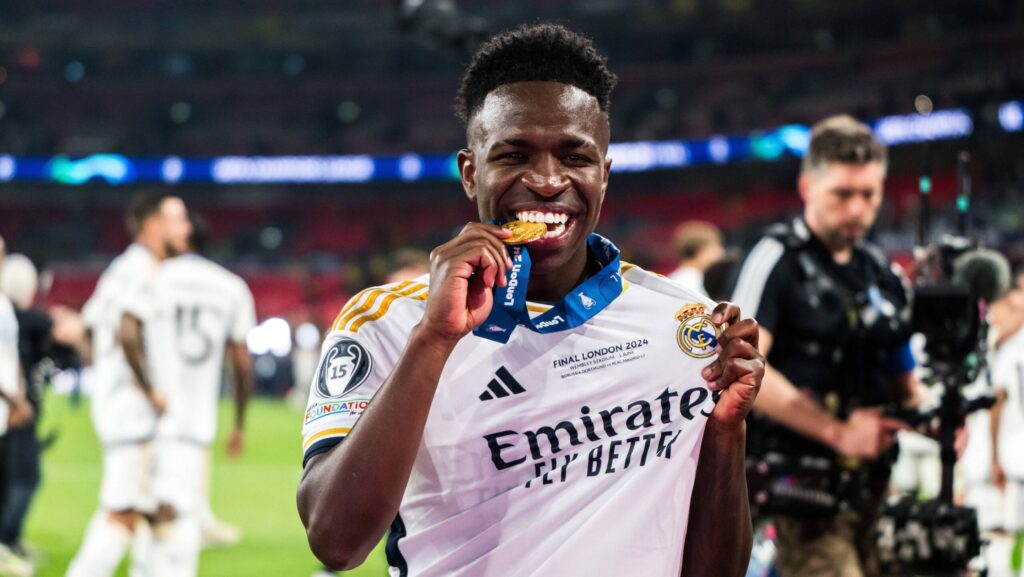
{"x": 557, "y": 231}
{"x": 544, "y": 217}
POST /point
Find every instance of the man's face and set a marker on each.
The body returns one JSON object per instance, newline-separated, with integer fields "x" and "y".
{"x": 841, "y": 201}
{"x": 537, "y": 150}
{"x": 175, "y": 225}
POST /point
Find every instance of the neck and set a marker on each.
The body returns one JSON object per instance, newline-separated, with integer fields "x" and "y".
{"x": 553, "y": 285}
{"x": 840, "y": 250}
{"x": 153, "y": 245}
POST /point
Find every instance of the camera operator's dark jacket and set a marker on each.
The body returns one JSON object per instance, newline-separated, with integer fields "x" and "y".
{"x": 838, "y": 331}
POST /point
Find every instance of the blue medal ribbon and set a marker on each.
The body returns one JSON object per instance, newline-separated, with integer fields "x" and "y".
{"x": 576, "y": 308}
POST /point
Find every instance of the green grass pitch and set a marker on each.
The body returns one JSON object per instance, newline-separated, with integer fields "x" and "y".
{"x": 256, "y": 492}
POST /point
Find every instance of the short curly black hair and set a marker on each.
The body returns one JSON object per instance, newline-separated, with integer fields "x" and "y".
{"x": 536, "y": 52}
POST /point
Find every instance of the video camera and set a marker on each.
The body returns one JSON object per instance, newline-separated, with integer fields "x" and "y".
{"x": 956, "y": 278}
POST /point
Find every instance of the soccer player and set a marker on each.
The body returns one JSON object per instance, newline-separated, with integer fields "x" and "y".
{"x": 1007, "y": 428}
{"x": 575, "y": 432}
{"x": 200, "y": 310}
{"x": 125, "y": 405}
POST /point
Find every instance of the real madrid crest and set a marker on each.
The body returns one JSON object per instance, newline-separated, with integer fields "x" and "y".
{"x": 697, "y": 336}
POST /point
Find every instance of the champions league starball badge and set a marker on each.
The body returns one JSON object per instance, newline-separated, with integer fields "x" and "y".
{"x": 345, "y": 366}
{"x": 697, "y": 336}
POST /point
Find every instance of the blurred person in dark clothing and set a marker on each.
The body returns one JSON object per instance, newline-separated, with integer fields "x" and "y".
{"x": 834, "y": 319}
{"x": 39, "y": 338}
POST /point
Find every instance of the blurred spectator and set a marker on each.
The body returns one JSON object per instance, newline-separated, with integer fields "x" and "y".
{"x": 698, "y": 244}
{"x": 39, "y": 339}
{"x": 15, "y": 413}
{"x": 408, "y": 264}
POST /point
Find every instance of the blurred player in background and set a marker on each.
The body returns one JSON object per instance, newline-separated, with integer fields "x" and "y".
{"x": 15, "y": 412}
{"x": 200, "y": 310}
{"x": 699, "y": 245}
{"x": 1007, "y": 429}
{"x": 125, "y": 404}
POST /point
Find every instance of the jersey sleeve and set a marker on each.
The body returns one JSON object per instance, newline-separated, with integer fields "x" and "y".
{"x": 352, "y": 368}
{"x": 1006, "y": 361}
{"x": 138, "y": 296}
{"x": 760, "y": 283}
{"x": 899, "y": 359}
{"x": 244, "y": 315}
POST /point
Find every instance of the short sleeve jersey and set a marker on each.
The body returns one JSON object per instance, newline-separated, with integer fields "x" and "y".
{"x": 120, "y": 411}
{"x": 197, "y": 307}
{"x": 809, "y": 313}
{"x": 558, "y": 454}
{"x": 1008, "y": 376}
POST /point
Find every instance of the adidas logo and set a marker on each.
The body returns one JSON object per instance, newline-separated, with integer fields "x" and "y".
{"x": 495, "y": 388}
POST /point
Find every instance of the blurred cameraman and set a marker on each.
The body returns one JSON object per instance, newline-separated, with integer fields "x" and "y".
{"x": 834, "y": 319}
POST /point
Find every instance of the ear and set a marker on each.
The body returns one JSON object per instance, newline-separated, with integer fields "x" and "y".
{"x": 803, "y": 184}
{"x": 466, "y": 161}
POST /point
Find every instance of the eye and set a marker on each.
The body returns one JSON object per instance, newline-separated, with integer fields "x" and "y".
{"x": 577, "y": 159}
{"x": 511, "y": 156}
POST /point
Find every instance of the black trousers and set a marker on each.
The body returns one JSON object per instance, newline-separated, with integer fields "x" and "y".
{"x": 19, "y": 463}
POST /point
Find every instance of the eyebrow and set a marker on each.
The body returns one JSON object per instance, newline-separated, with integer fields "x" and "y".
{"x": 567, "y": 143}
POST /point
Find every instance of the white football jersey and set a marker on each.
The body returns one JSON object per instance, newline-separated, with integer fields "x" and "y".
{"x": 1008, "y": 375}
{"x": 8, "y": 357}
{"x": 198, "y": 306}
{"x": 563, "y": 454}
{"x": 120, "y": 411}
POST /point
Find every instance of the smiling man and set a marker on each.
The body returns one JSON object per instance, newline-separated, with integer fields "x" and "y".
{"x": 538, "y": 409}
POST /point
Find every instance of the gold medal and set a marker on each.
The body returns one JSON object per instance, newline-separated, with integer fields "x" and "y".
{"x": 524, "y": 232}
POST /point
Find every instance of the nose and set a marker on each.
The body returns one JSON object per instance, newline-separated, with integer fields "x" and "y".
{"x": 546, "y": 177}
{"x": 856, "y": 206}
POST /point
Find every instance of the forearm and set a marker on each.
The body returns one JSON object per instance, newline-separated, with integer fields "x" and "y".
{"x": 994, "y": 417}
{"x": 241, "y": 368}
{"x": 362, "y": 480}
{"x": 135, "y": 350}
{"x": 719, "y": 534}
{"x": 907, "y": 390}
{"x": 783, "y": 403}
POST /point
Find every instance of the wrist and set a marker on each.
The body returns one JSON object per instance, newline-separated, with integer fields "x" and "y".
{"x": 832, "y": 435}
{"x": 725, "y": 433}
{"x": 423, "y": 336}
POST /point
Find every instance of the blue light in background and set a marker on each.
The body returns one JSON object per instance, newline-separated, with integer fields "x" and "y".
{"x": 1011, "y": 116}
{"x": 644, "y": 156}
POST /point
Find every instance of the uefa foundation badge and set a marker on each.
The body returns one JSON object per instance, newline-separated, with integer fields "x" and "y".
{"x": 696, "y": 336}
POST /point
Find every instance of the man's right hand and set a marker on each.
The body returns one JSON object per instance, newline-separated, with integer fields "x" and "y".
{"x": 157, "y": 401}
{"x": 463, "y": 273}
{"x": 867, "y": 434}
{"x": 21, "y": 412}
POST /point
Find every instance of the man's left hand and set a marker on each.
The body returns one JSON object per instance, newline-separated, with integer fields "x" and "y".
{"x": 739, "y": 368}
{"x": 236, "y": 443}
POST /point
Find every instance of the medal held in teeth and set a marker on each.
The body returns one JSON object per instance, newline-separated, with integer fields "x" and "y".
{"x": 524, "y": 232}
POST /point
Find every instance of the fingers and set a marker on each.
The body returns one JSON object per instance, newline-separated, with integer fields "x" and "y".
{"x": 890, "y": 425}
{"x": 472, "y": 242}
{"x": 746, "y": 330}
{"x": 725, "y": 312}
{"x": 738, "y": 362}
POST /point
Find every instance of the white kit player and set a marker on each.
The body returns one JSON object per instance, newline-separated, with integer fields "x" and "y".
{"x": 125, "y": 406}
{"x": 1007, "y": 428}
{"x": 200, "y": 310}
{"x": 575, "y": 432}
